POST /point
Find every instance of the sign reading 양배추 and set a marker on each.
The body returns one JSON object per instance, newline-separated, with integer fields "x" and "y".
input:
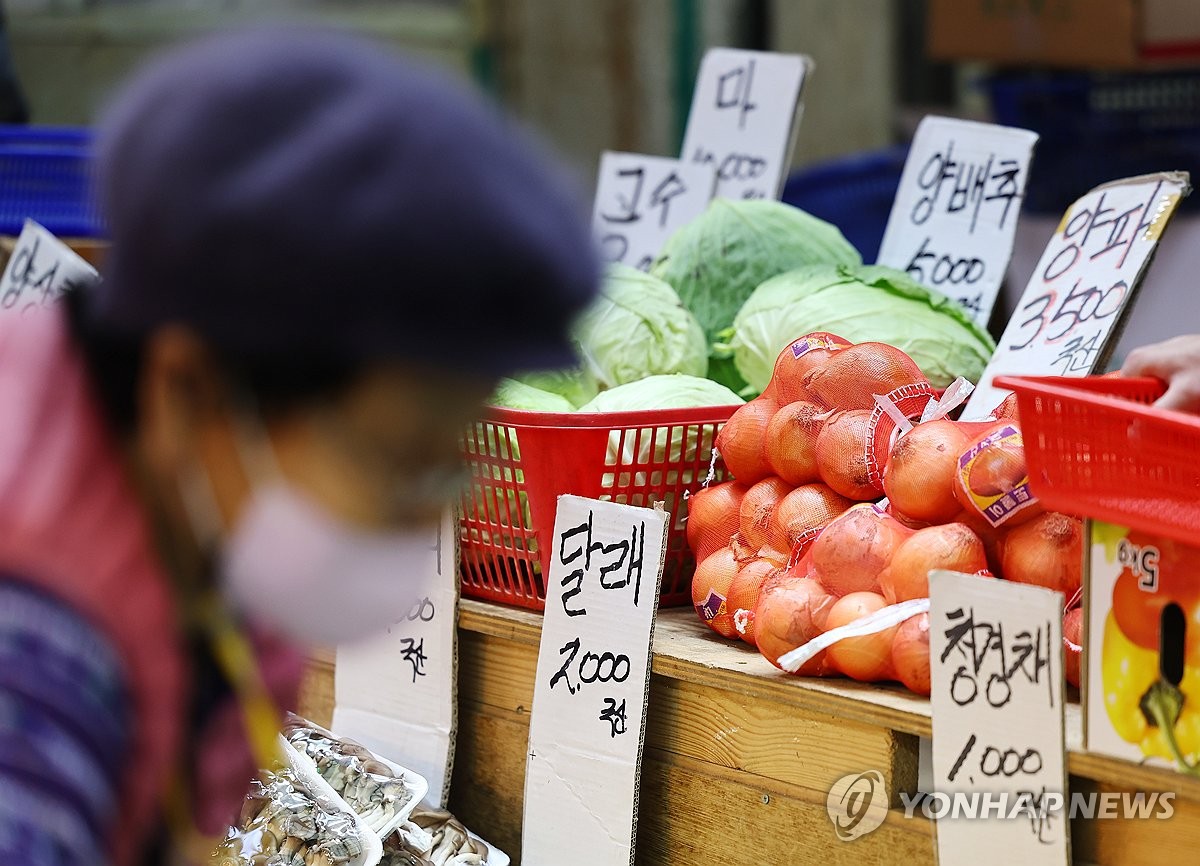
{"x": 954, "y": 219}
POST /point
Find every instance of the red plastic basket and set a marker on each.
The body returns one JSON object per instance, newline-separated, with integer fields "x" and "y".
{"x": 1096, "y": 448}
{"x": 521, "y": 462}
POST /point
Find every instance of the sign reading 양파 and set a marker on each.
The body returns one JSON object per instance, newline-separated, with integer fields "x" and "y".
{"x": 1070, "y": 314}
{"x": 640, "y": 202}
{"x": 40, "y": 268}
{"x": 743, "y": 121}
{"x": 954, "y": 220}
{"x": 593, "y": 676}
{"x": 999, "y": 747}
{"x": 395, "y": 693}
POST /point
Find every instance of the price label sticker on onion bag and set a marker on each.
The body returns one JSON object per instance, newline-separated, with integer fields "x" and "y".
{"x": 999, "y": 768}
{"x": 40, "y": 268}
{"x": 641, "y": 201}
{"x": 1072, "y": 311}
{"x": 954, "y": 219}
{"x": 593, "y": 674}
{"x": 743, "y": 121}
{"x": 395, "y": 692}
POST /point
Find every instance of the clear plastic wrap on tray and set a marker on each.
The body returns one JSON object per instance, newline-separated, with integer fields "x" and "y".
{"x": 291, "y": 817}
{"x": 434, "y": 837}
{"x": 383, "y": 794}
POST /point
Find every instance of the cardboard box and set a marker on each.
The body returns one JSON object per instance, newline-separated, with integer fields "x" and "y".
{"x": 1102, "y": 34}
{"x": 1141, "y": 646}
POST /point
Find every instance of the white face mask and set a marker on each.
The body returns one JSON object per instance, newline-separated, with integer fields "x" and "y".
{"x": 291, "y": 566}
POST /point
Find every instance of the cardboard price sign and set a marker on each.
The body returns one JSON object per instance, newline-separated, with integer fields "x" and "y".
{"x": 593, "y": 676}
{"x": 396, "y": 693}
{"x": 743, "y": 121}
{"x": 39, "y": 270}
{"x": 954, "y": 220}
{"x": 999, "y": 765}
{"x": 1072, "y": 311}
{"x": 641, "y": 201}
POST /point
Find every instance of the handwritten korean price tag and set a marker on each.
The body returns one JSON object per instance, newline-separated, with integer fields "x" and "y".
{"x": 395, "y": 693}
{"x": 954, "y": 219}
{"x": 999, "y": 767}
{"x": 744, "y": 117}
{"x": 641, "y": 201}
{"x": 39, "y": 269}
{"x": 1075, "y": 304}
{"x": 593, "y": 674}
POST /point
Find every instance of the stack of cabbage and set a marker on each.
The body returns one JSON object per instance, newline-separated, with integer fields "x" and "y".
{"x": 640, "y": 348}
{"x": 729, "y": 292}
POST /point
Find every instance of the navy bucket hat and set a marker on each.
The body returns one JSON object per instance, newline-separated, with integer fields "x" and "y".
{"x": 305, "y": 191}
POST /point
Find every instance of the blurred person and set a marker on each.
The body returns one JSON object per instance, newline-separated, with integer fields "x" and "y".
{"x": 241, "y": 439}
{"x": 1177, "y": 363}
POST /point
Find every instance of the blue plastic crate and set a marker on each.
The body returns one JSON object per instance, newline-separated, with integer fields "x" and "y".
{"x": 1097, "y": 127}
{"x": 854, "y": 193}
{"x": 45, "y": 175}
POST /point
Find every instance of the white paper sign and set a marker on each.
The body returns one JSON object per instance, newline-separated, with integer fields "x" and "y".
{"x": 593, "y": 674}
{"x": 999, "y": 765}
{"x": 395, "y": 693}
{"x": 40, "y": 268}
{"x": 743, "y": 121}
{"x": 641, "y": 201}
{"x": 1071, "y": 313}
{"x": 954, "y": 219}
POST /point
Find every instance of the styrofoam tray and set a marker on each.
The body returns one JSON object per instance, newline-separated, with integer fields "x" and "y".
{"x": 306, "y": 774}
{"x": 416, "y": 784}
{"x": 496, "y": 857}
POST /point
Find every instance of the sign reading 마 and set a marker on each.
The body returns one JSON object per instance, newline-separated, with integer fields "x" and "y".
{"x": 743, "y": 121}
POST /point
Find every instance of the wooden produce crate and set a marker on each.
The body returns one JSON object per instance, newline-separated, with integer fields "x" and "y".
{"x": 739, "y": 757}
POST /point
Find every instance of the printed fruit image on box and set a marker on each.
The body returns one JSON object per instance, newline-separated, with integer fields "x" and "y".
{"x": 1143, "y": 647}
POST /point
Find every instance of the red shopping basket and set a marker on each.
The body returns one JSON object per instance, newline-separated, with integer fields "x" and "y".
{"x": 1095, "y": 447}
{"x": 521, "y": 462}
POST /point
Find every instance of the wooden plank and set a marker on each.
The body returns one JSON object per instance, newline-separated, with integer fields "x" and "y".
{"x": 488, "y": 788}
{"x": 694, "y": 812}
{"x": 772, "y": 740}
{"x": 1135, "y": 842}
{"x": 316, "y": 692}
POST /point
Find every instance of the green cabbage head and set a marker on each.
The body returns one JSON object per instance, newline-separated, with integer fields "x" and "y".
{"x": 661, "y": 392}
{"x": 862, "y": 304}
{"x": 718, "y": 259}
{"x": 637, "y": 328}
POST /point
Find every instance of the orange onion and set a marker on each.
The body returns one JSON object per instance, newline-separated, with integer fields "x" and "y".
{"x": 867, "y": 658}
{"x": 910, "y": 654}
{"x": 710, "y": 591}
{"x": 758, "y": 509}
{"x": 1072, "y": 631}
{"x": 953, "y": 547}
{"x": 743, "y": 438}
{"x": 712, "y": 517}
{"x": 1007, "y": 409}
{"x": 852, "y": 377}
{"x": 799, "y": 359}
{"x": 744, "y": 591}
{"x": 842, "y": 454}
{"x": 791, "y": 443}
{"x": 919, "y": 477}
{"x": 853, "y": 549}
{"x": 1046, "y": 551}
{"x": 803, "y": 513}
{"x": 792, "y": 611}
